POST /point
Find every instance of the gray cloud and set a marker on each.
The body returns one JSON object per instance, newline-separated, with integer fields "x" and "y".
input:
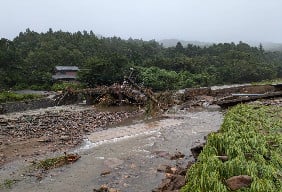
{"x": 203, "y": 20}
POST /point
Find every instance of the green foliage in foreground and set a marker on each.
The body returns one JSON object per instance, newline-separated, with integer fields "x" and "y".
{"x": 251, "y": 138}
{"x": 6, "y": 96}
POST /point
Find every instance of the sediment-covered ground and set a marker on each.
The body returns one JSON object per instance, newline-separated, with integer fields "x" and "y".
{"x": 134, "y": 156}
{"x": 37, "y": 132}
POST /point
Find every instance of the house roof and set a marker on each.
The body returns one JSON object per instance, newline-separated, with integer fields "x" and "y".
{"x": 57, "y": 77}
{"x": 66, "y": 68}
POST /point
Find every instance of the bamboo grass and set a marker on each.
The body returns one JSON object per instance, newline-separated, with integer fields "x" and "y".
{"x": 251, "y": 138}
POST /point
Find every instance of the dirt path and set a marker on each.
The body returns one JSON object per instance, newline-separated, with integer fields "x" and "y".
{"x": 126, "y": 157}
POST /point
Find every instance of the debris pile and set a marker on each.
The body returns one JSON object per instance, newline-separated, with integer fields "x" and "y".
{"x": 107, "y": 95}
{"x": 67, "y": 125}
{"x": 275, "y": 101}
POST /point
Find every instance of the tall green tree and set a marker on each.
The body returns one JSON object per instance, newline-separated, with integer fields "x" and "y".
{"x": 97, "y": 71}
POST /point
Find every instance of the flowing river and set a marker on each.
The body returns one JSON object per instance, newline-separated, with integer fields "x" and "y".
{"x": 126, "y": 157}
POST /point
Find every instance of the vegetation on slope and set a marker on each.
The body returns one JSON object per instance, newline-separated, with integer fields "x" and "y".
{"x": 29, "y": 60}
{"x": 251, "y": 138}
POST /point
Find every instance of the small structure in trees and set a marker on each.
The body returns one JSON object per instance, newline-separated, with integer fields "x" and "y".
{"x": 65, "y": 73}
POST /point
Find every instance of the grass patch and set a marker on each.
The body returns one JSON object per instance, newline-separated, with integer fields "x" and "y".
{"x": 251, "y": 138}
{"x": 7, "y": 96}
{"x": 55, "y": 162}
{"x": 7, "y": 184}
{"x": 51, "y": 163}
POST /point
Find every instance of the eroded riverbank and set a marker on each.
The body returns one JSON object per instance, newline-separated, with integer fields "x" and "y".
{"x": 127, "y": 157}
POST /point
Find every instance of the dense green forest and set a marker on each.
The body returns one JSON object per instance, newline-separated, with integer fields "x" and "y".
{"x": 29, "y": 59}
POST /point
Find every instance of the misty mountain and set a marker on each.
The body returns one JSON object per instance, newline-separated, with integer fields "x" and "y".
{"x": 268, "y": 46}
{"x": 172, "y": 43}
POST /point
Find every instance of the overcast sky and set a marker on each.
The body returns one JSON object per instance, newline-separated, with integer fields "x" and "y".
{"x": 201, "y": 20}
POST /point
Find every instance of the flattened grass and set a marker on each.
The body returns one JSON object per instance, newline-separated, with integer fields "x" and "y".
{"x": 251, "y": 137}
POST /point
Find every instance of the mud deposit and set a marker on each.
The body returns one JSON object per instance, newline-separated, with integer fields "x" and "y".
{"x": 125, "y": 157}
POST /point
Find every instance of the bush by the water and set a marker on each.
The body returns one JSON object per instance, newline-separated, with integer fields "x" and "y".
{"x": 251, "y": 138}
{"x": 7, "y": 96}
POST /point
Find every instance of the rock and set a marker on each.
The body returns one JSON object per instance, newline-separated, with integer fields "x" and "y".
{"x": 65, "y": 138}
{"x": 171, "y": 184}
{"x": 106, "y": 172}
{"x": 178, "y": 182}
{"x": 177, "y": 155}
{"x": 174, "y": 180}
{"x": 163, "y": 154}
{"x": 71, "y": 158}
{"x": 126, "y": 176}
{"x": 164, "y": 168}
{"x": 105, "y": 188}
{"x": 113, "y": 190}
{"x": 3, "y": 123}
{"x": 238, "y": 182}
{"x": 44, "y": 140}
{"x": 248, "y": 156}
{"x": 173, "y": 170}
{"x": 223, "y": 158}
{"x": 164, "y": 185}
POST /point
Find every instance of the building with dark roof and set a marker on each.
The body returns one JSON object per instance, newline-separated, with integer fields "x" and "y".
{"x": 65, "y": 73}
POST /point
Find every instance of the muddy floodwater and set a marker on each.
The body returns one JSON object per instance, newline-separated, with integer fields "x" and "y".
{"x": 126, "y": 157}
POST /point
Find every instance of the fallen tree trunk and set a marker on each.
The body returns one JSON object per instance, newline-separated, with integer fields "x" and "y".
{"x": 231, "y": 102}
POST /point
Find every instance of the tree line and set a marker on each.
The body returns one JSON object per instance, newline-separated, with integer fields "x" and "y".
{"x": 28, "y": 61}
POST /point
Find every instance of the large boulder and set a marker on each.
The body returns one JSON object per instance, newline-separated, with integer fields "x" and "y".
{"x": 238, "y": 182}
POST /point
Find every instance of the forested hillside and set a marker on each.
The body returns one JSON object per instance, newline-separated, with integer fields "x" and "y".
{"x": 28, "y": 61}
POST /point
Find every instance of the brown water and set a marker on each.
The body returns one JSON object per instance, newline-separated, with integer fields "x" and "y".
{"x": 129, "y": 154}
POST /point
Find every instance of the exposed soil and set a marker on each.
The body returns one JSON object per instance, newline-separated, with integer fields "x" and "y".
{"x": 38, "y": 132}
